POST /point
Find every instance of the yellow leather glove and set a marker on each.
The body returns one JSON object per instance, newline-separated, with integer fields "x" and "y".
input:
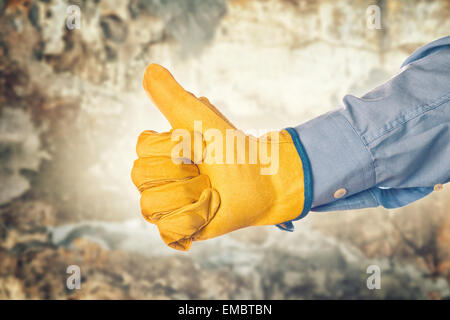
{"x": 217, "y": 189}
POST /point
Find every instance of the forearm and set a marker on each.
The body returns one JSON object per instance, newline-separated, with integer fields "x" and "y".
{"x": 396, "y": 136}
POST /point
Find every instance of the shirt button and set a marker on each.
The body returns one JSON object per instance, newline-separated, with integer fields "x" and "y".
{"x": 438, "y": 187}
{"x": 340, "y": 193}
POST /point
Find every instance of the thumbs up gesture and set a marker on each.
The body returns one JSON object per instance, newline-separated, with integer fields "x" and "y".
{"x": 206, "y": 178}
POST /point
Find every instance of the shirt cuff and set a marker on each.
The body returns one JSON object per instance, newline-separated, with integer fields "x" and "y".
{"x": 341, "y": 164}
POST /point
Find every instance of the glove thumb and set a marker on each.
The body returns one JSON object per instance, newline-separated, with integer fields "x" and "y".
{"x": 180, "y": 107}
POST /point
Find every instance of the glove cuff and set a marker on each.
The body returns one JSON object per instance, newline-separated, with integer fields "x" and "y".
{"x": 308, "y": 190}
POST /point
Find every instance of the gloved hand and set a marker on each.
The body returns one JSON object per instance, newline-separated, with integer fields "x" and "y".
{"x": 204, "y": 198}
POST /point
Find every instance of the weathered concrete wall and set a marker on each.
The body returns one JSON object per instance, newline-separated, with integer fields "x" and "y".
{"x": 71, "y": 107}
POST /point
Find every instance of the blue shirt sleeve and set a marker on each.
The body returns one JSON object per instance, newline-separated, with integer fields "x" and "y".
{"x": 389, "y": 147}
